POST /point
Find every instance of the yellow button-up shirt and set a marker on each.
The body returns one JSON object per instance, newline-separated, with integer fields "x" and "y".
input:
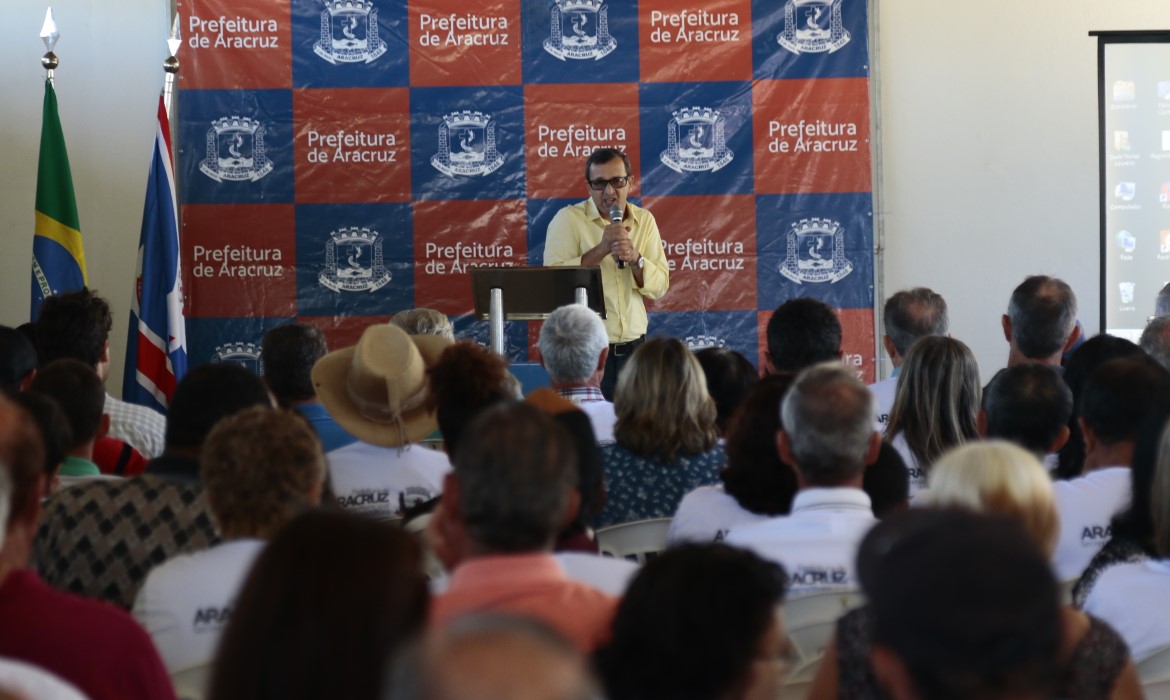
{"x": 577, "y": 229}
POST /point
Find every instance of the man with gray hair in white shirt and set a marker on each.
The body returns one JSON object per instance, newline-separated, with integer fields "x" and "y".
{"x": 573, "y": 348}
{"x": 829, "y": 437}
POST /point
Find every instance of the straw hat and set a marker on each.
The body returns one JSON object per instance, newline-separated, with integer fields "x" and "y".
{"x": 377, "y": 389}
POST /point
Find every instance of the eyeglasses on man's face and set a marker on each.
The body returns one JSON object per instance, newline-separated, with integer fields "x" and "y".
{"x": 615, "y": 182}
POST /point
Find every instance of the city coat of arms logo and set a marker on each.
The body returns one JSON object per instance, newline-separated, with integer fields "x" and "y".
{"x": 235, "y": 151}
{"x": 816, "y": 252}
{"x": 246, "y": 355}
{"x": 349, "y": 32}
{"x": 580, "y": 30}
{"x": 467, "y": 145}
{"x": 696, "y": 141}
{"x": 353, "y": 261}
{"x": 813, "y": 26}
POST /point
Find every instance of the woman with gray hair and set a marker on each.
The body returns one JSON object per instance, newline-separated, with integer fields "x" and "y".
{"x": 667, "y": 441}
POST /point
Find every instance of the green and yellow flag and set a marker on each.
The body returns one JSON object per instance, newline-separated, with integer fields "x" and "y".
{"x": 58, "y": 263}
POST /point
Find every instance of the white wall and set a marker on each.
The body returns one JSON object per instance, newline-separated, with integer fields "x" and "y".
{"x": 108, "y": 83}
{"x": 989, "y": 128}
{"x": 988, "y": 115}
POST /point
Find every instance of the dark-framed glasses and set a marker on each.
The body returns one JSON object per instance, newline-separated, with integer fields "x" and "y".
{"x": 615, "y": 182}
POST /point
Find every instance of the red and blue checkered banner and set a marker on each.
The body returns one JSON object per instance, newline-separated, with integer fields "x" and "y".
{"x": 342, "y": 160}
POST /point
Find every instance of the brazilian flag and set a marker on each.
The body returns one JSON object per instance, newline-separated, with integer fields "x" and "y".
{"x": 58, "y": 257}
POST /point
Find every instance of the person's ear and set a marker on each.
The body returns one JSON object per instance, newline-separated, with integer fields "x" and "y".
{"x": 784, "y": 448}
{"x": 875, "y": 448}
{"x": 601, "y": 359}
{"x": 1061, "y": 440}
{"x": 1072, "y": 338}
{"x": 889, "y": 346}
{"x": 1087, "y": 436}
{"x": 103, "y": 427}
{"x": 572, "y": 508}
{"x": 28, "y": 379}
{"x": 769, "y": 368}
{"x": 981, "y": 423}
{"x": 1007, "y": 327}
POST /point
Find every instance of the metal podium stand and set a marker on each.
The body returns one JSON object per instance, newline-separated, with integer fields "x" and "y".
{"x": 531, "y": 294}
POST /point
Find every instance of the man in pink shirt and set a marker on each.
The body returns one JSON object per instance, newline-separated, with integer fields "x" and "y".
{"x": 510, "y": 493}
{"x": 93, "y": 645}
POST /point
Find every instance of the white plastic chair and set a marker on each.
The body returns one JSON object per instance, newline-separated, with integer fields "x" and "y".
{"x": 1154, "y": 671}
{"x": 637, "y": 540}
{"x": 432, "y": 567}
{"x": 810, "y": 619}
{"x": 191, "y": 682}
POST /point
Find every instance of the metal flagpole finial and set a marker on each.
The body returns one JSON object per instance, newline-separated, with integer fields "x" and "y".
{"x": 49, "y": 35}
{"x": 174, "y": 43}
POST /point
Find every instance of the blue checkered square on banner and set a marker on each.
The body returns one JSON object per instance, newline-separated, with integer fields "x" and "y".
{"x": 467, "y": 143}
{"x": 580, "y": 41}
{"x": 354, "y": 259}
{"x": 734, "y": 330}
{"x": 696, "y": 138}
{"x": 348, "y": 43}
{"x": 236, "y": 147}
{"x": 810, "y": 39}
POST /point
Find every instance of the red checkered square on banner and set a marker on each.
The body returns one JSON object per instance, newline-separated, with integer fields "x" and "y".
{"x": 236, "y": 44}
{"x": 811, "y": 135}
{"x": 464, "y": 42}
{"x": 563, "y": 124}
{"x": 711, "y": 249}
{"x": 342, "y": 331}
{"x": 857, "y": 341}
{"x": 352, "y": 145}
{"x": 697, "y": 41}
{"x": 454, "y": 236}
{"x": 239, "y": 260}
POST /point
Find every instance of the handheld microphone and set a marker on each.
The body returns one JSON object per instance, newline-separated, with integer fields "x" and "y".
{"x": 615, "y": 217}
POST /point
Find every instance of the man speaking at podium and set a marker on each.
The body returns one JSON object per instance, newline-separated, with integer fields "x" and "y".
{"x": 623, "y": 239}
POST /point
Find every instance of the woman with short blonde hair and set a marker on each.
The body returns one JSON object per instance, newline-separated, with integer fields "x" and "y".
{"x": 666, "y": 438}
{"x": 1001, "y": 478}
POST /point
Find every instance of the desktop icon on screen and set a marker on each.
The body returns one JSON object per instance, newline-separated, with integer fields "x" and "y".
{"x": 1124, "y": 91}
{"x": 1164, "y": 90}
{"x": 1126, "y": 241}
{"x": 1121, "y": 140}
{"x": 1125, "y": 191}
{"x": 1164, "y": 193}
{"x": 1164, "y": 242}
{"x": 1126, "y": 291}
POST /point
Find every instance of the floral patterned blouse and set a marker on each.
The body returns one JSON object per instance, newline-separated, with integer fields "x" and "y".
{"x": 638, "y": 488}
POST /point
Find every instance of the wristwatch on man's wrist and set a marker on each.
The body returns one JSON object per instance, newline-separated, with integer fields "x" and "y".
{"x": 641, "y": 262}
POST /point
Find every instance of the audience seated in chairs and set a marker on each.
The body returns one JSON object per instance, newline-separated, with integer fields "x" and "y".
{"x": 887, "y": 483}
{"x": 1002, "y": 479}
{"x": 573, "y": 349}
{"x": 907, "y": 316}
{"x": 1131, "y": 596}
{"x": 730, "y": 377}
{"x": 53, "y": 426}
{"x": 1078, "y": 365}
{"x": 289, "y": 352}
{"x": 829, "y": 436}
{"x": 935, "y": 405}
{"x": 510, "y": 493}
{"x": 79, "y": 392}
{"x": 665, "y": 432}
{"x": 76, "y": 325}
{"x": 699, "y": 621}
{"x": 1116, "y": 397}
{"x": 491, "y": 657}
{"x": 801, "y": 332}
{"x": 377, "y": 391}
{"x": 100, "y": 539}
{"x": 327, "y": 607}
{"x": 260, "y": 469}
{"x": 1132, "y": 535}
{"x": 1029, "y": 405}
{"x": 962, "y": 606}
{"x": 94, "y": 646}
{"x": 756, "y": 486}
